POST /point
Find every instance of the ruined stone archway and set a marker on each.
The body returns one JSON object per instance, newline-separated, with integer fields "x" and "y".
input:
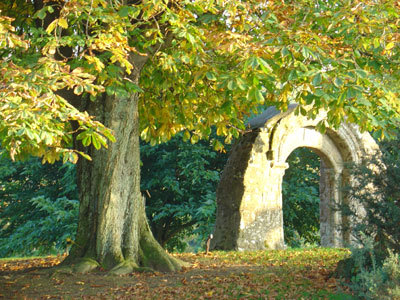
{"x": 249, "y": 197}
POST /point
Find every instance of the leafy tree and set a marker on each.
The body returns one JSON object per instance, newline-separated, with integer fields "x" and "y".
{"x": 38, "y": 212}
{"x": 38, "y": 216}
{"x": 382, "y": 202}
{"x": 374, "y": 267}
{"x": 76, "y": 73}
{"x": 181, "y": 180}
{"x": 300, "y": 194}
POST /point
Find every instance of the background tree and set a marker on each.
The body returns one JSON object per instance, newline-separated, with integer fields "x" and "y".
{"x": 73, "y": 72}
{"x": 300, "y": 194}
{"x": 181, "y": 179}
{"x": 38, "y": 215}
{"x": 374, "y": 266}
{"x": 38, "y": 207}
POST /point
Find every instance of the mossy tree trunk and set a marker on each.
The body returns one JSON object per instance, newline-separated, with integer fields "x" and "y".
{"x": 113, "y": 231}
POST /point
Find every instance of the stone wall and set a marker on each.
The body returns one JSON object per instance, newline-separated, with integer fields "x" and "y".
{"x": 249, "y": 196}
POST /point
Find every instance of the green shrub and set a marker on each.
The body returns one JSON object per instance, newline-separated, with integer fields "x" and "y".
{"x": 373, "y": 278}
{"x": 37, "y": 215}
{"x": 381, "y": 203}
{"x": 180, "y": 180}
{"x": 300, "y": 194}
{"x": 48, "y": 234}
{"x": 373, "y": 267}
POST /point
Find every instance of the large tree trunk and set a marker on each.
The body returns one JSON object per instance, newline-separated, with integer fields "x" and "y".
{"x": 113, "y": 231}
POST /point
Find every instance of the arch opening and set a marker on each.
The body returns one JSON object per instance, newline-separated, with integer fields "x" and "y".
{"x": 301, "y": 198}
{"x": 249, "y": 196}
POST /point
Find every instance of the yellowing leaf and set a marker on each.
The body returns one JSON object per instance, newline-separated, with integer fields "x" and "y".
{"x": 96, "y": 142}
{"x": 78, "y": 90}
{"x": 97, "y": 62}
{"x": 52, "y": 50}
{"x": 52, "y": 26}
{"x": 194, "y": 139}
{"x": 389, "y": 46}
{"x": 209, "y": 294}
{"x": 211, "y": 76}
{"x": 186, "y": 135}
{"x": 63, "y": 23}
{"x": 376, "y": 43}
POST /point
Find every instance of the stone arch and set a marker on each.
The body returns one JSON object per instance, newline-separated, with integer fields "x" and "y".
{"x": 249, "y": 198}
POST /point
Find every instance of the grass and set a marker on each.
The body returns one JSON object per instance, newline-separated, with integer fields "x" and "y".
{"x": 286, "y": 274}
{"x": 16, "y": 258}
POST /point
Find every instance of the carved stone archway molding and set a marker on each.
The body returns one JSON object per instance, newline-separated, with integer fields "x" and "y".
{"x": 249, "y": 196}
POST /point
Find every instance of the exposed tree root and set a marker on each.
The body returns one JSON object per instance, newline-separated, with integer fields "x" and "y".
{"x": 125, "y": 267}
{"x": 151, "y": 258}
{"x": 148, "y": 256}
{"x": 152, "y": 255}
{"x": 86, "y": 265}
{"x": 82, "y": 266}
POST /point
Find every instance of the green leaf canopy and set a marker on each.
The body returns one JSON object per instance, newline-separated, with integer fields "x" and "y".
{"x": 205, "y": 63}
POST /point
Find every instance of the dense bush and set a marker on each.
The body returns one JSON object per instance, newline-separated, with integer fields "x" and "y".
{"x": 300, "y": 194}
{"x": 371, "y": 277}
{"x": 373, "y": 267}
{"x": 38, "y": 214}
{"x": 382, "y": 202}
{"x": 37, "y": 211}
{"x": 180, "y": 180}
{"x": 48, "y": 234}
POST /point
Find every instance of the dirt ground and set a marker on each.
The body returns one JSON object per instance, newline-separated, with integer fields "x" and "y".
{"x": 208, "y": 278}
{"x": 34, "y": 279}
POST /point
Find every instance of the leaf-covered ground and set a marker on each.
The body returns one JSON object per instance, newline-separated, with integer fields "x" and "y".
{"x": 290, "y": 274}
